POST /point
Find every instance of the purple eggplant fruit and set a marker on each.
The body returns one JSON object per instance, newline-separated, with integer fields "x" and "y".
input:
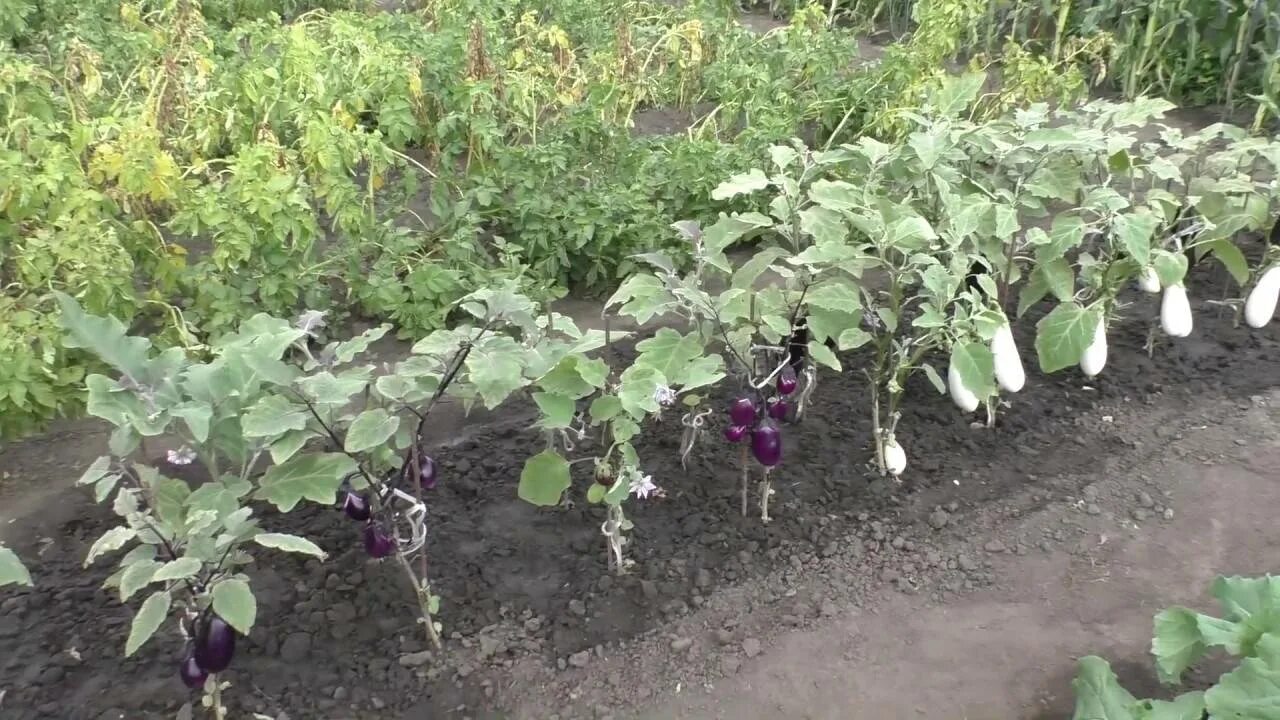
{"x": 742, "y": 411}
{"x": 787, "y": 380}
{"x": 426, "y": 471}
{"x": 193, "y": 676}
{"x": 215, "y": 645}
{"x": 735, "y": 433}
{"x": 778, "y": 409}
{"x": 377, "y": 542}
{"x": 355, "y": 506}
{"x": 766, "y": 443}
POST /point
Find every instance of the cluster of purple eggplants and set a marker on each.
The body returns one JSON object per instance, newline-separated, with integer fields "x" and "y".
{"x": 213, "y": 646}
{"x": 766, "y": 437}
{"x": 378, "y": 543}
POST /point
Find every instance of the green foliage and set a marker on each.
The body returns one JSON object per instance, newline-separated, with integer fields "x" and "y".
{"x": 1250, "y": 629}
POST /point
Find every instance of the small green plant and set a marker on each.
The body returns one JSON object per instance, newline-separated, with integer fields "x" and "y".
{"x": 1248, "y": 629}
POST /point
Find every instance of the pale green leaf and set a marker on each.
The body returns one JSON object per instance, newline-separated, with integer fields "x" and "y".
{"x": 234, "y": 602}
{"x": 1252, "y": 690}
{"x": 1176, "y": 643}
{"x": 347, "y": 351}
{"x": 705, "y": 370}
{"x": 1133, "y": 231}
{"x": 975, "y": 364}
{"x": 111, "y": 540}
{"x": 1170, "y": 267}
{"x": 823, "y": 225}
{"x": 290, "y": 543}
{"x": 315, "y": 477}
{"x": 1099, "y": 695}
{"x": 12, "y": 571}
{"x": 496, "y": 371}
{"x": 544, "y": 479}
{"x": 595, "y": 493}
{"x": 745, "y": 276}
{"x": 836, "y": 294}
{"x": 741, "y": 184}
{"x": 273, "y": 415}
{"x": 835, "y": 194}
{"x": 852, "y": 338}
{"x": 326, "y": 388}
{"x": 822, "y": 354}
{"x": 956, "y": 93}
{"x": 288, "y": 445}
{"x": 1227, "y": 253}
{"x": 95, "y": 471}
{"x": 1063, "y": 335}
{"x": 1187, "y": 706}
{"x": 557, "y": 410}
{"x": 180, "y": 569}
{"x": 106, "y": 338}
{"x": 669, "y": 353}
{"x": 153, "y": 612}
{"x": 370, "y": 429}
{"x": 605, "y": 407}
{"x": 934, "y": 378}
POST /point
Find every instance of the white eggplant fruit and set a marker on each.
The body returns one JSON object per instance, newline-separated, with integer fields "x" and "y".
{"x": 1009, "y": 372}
{"x": 960, "y": 395}
{"x": 1260, "y": 306}
{"x": 895, "y": 458}
{"x": 1175, "y": 312}
{"x": 1095, "y": 356}
{"x": 1148, "y": 280}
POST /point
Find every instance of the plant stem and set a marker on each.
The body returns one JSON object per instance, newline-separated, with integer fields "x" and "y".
{"x": 766, "y": 490}
{"x": 424, "y": 598}
{"x": 746, "y": 475}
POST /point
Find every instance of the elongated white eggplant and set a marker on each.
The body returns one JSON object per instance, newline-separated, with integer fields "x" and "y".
{"x": 1009, "y": 372}
{"x": 895, "y": 458}
{"x": 1175, "y": 312}
{"x": 1260, "y": 306}
{"x": 960, "y": 395}
{"x": 1148, "y": 280}
{"x": 1095, "y": 356}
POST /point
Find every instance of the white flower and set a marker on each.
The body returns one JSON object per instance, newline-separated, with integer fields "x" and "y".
{"x": 642, "y": 485}
{"x": 311, "y": 322}
{"x": 664, "y": 396}
{"x": 182, "y": 456}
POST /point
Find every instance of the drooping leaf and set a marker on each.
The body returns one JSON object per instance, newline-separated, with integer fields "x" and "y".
{"x": 325, "y": 388}
{"x": 105, "y": 337}
{"x": 96, "y": 471}
{"x": 149, "y": 618}
{"x": 1063, "y": 335}
{"x": 705, "y": 370}
{"x": 234, "y": 602}
{"x": 957, "y": 92}
{"x": 976, "y": 366}
{"x": 1134, "y": 231}
{"x": 289, "y": 543}
{"x": 347, "y": 350}
{"x": 1099, "y": 695}
{"x": 370, "y": 429}
{"x": 1170, "y": 267}
{"x": 605, "y": 407}
{"x": 557, "y": 410}
{"x": 12, "y": 571}
{"x": 196, "y": 415}
{"x": 1050, "y": 276}
{"x": 111, "y": 540}
{"x": 496, "y": 370}
{"x": 315, "y": 477}
{"x": 1176, "y": 643}
{"x": 1229, "y": 254}
{"x": 544, "y": 479}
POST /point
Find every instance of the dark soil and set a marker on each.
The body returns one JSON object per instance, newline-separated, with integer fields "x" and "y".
{"x": 517, "y": 580}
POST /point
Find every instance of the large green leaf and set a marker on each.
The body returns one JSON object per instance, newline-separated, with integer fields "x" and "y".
{"x": 706, "y": 370}
{"x": 326, "y": 388}
{"x": 12, "y": 571}
{"x": 557, "y": 410}
{"x": 956, "y": 93}
{"x": 1187, "y": 706}
{"x": 110, "y": 541}
{"x": 96, "y": 471}
{"x": 180, "y": 569}
{"x": 544, "y": 479}
{"x": 635, "y": 390}
{"x": 273, "y": 415}
{"x": 1232, "y": 259}
{"x": 371, "y": 428}
{"x": 669, "y": 353}
{"x": 152, "y": 613}
{"x": 1063, "y": 335}
{"x": 1099, "y": 695}
{"x": 823, "y": 225}
{"x": 234, "y": 602}
{"x": 106, "y": 338}
{"x": 1176, "y": 643}
{"x": 315, "y": 477}
{"x": 1134, "y": 231}
{"x": 496, "y": 370}
{"x": 835, "y": 194}
{"x": 1050, "y": 276}
{"x": 1252, "y": 690}
{"x": 137, "y": 576}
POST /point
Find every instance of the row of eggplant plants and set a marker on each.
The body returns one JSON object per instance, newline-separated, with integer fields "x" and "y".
{"x": 921, "y": 251}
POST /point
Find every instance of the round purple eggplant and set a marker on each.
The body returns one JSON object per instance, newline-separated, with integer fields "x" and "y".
{"x": 355, "y": 506}
{"x": 735, "y": 433}
{"x": 377, "y": 542}
{"x": 778, "y": 409}
{"x": 787, "y": 380}
{"x": 766, "y": 443}
{"x": 215, "y": 644}
{"x": 193, "y": 676}
{"x": 742, "y": 411}
{"x": 427, "y": 471}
